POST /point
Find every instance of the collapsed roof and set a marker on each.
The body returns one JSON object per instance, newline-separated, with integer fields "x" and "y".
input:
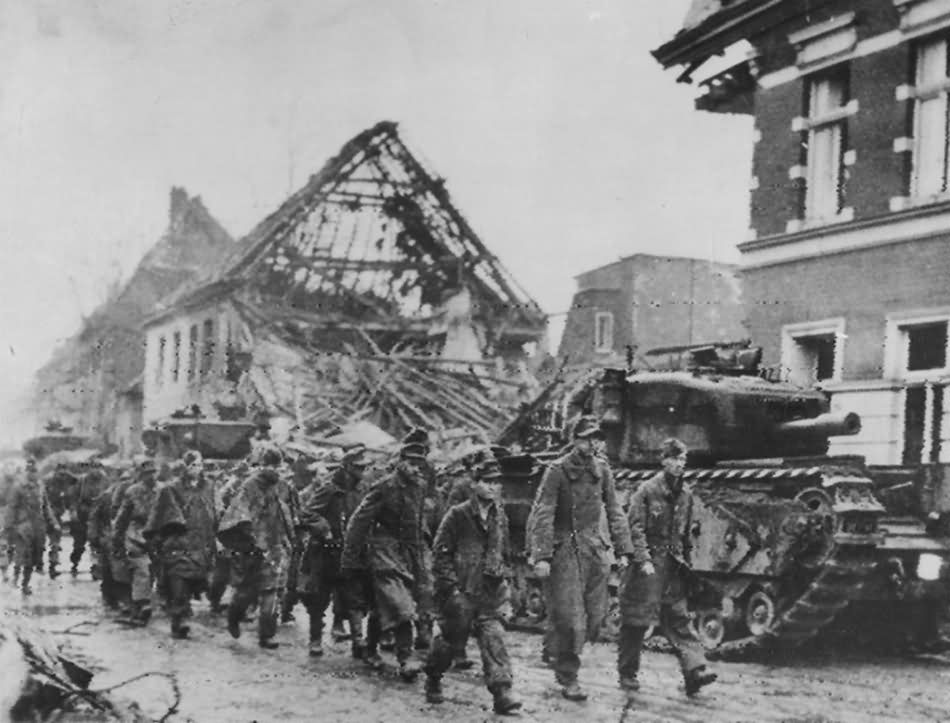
{"x": 373, "y": 239}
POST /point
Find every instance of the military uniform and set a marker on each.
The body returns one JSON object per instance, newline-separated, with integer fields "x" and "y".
{"x": 319, "y": 577}
{"x": 471, "y": 567}
{"x": 99, "y": 533}
{"x": 85, "y": 493}
{"x": 389, "y": 524}
{"x": 29, "y": 519}
{"x": 258, "y": 527}
{"x": 128, "y": 540}
{"x": 576, "y": 492}
{"x": 183, "y": 521}
{"x": 660, "y": 518}
{"x": 221, "y": 573}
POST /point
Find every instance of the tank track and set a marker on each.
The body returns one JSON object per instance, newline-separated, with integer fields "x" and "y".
{"x": 842, "y": 575}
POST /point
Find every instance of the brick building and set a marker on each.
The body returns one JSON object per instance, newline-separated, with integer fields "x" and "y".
{"x": 846, "y": 270}
{"x": 647, "y": 302}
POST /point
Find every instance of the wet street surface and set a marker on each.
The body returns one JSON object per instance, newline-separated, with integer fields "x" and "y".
{"x": 222, "y": 679}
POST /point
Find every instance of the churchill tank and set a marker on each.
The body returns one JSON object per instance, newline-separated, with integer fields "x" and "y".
{"x": 786, "y": 540}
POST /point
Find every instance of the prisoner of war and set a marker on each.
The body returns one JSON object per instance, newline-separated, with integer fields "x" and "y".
{"x": 471, "y": 566}
{"x": 653, "y": 589}
{"x": 323, "y": 519}
{"x": 258, "y": 527}
{"x": 567, "y": 544}
{"x": 29, "y": 519}
{"x": 390, "y": 521}
{"x": 128, "y": 539}
{"x": 183, "y": 524}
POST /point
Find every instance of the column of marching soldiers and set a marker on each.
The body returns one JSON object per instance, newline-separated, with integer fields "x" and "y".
{"x": 360, "y": 542}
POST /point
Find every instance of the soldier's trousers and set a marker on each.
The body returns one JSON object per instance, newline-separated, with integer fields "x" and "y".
{"x": 674, "y": 625}
{"x": 256, "y": 578}
{"x": 77, "y": 530}
{"x": 351, "y": 593}
{"x": 180, "y": 591}
{"x": 220, "y": 575}
{"x": 141, "y": 571}
{"x": 578, "y": 599}
{"x": 459, "y": 618}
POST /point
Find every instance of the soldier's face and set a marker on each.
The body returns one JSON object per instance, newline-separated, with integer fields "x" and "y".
{"x": 487, "y": 490}
{"x": 675, "y": 466}
{"x": 584, "y": 445}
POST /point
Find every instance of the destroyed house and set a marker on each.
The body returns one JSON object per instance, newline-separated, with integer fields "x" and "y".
{"x": 369, "y": 258}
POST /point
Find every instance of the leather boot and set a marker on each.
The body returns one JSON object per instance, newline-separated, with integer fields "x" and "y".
{"x": 25, "y": 581}
{"x": 338, "y": 631}
{"x": 235, "y": 615}
{"x": 504, "y": 703}
{"x": 434, "y": 690}
{"x": 697, "y": 678}
{"x": 357, "y": 646}
{"x": 179, "y": 629}
{"x": 409, "y": 668}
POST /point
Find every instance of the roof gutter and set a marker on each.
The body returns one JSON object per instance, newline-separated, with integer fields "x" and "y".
{"x": 718, "y": 32}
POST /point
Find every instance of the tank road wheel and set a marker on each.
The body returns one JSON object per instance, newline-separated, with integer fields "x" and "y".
{"x": 709, "y": 628}
{"x": 759, "y": 613}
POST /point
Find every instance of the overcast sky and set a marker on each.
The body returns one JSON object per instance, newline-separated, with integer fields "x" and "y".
{"x": 562, "y": 140}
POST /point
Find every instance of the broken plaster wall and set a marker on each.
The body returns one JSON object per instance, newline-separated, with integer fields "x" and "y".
{"x": 464, "y": 337}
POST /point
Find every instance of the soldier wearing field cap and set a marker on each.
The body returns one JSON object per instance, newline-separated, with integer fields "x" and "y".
{"x": 567, "y": 545}
{"x": 471, "y": 566}
{"x": 389, "y": 523}
{"x": 319, "y": 578}
{"x": 653, "y": 591}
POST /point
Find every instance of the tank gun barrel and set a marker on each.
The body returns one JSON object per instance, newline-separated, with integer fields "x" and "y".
{"x": 830, "y": 424}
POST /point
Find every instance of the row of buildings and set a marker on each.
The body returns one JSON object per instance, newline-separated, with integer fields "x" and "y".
{"x": 842, "y": 277}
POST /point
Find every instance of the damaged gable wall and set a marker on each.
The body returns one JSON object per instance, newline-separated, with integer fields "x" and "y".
{"x": 370, "y": 257}
{"x": 80, "y": 384}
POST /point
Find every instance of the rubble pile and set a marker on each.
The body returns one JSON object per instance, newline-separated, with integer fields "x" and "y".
{"x": 394, "y": 391}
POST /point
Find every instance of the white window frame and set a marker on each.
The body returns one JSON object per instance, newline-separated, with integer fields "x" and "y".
{"x": 792, "y": 334}
{"x": 897, "y": 341}
{"x": 931, "y": 150}
{"x": 826, "y": 125}
{"x": 604, "y": 342}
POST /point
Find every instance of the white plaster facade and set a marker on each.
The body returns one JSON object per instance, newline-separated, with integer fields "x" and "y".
{"x": 186, "y": 359}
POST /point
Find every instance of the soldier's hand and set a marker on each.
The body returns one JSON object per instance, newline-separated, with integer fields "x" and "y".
{"x": 622, "y": 562}
{"x": 542, "y": 569}
{"x": 647, "y": 568}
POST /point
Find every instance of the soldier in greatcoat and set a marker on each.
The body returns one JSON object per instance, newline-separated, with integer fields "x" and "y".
{"x": 128, "y": 539}
{"x": 29, "y": 519}
{"x": 471, "y": 565}
{"x": 319, "y": 578}
{"x": 389, "y": 523}
{"x": 568, "y": 545}
{"x": 258, "y": 527}
{"x": 653, "y": 590}
{"x": 183, "y": 525}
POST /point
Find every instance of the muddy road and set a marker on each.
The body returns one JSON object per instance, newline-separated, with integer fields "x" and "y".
{"x": 222, "y": 679}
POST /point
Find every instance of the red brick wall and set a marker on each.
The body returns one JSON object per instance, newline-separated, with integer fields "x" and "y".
{"x": 862, "y": 286}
